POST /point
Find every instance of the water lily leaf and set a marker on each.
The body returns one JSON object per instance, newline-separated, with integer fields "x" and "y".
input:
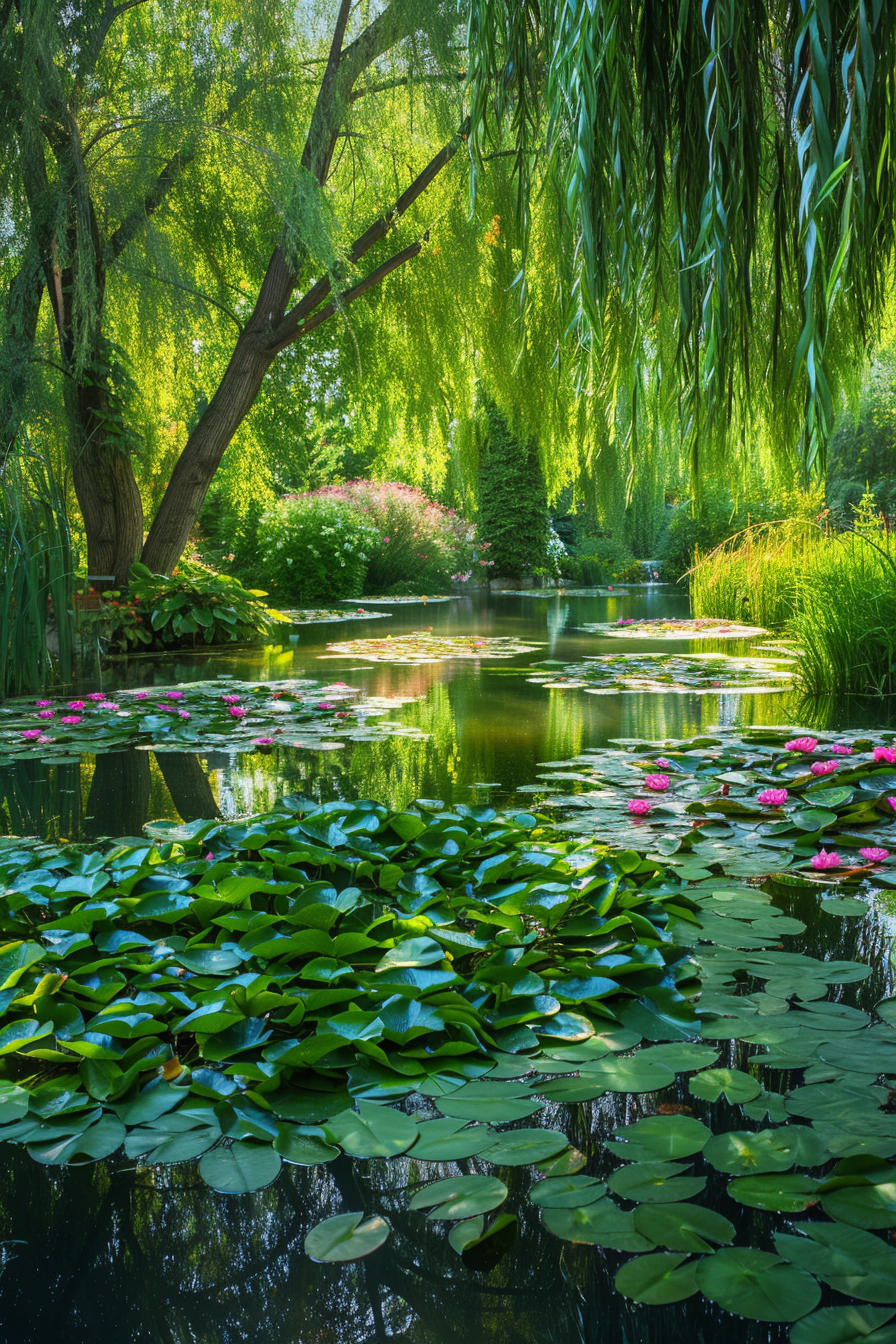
{"x": 784, "y": 1193}
{"x": 346, "y": 1237}
{"x": 463, "y": 1234}
{"x": 600, "y": 1224}
{"x": 757, "y": 1284}
{"x": 566, "y": 1163}
{"x": 845, "y": 1325}
{"x": 741, "y": 1153}
{"x": 481, "y": 1108}
{"x": 866, "y": 1053}
{"x": 98, "y": 1141}
{"x": 460, "y": 1197}
{"x": 662, "y": 1138}
{"x": 734, "y": 1085}
{"x": 869, "y": 1206}
{"x": 240, "y": 1169}
{"x": 523, "y": 1147}
{"x": 303, "y": 1145}
{"x": 566, "y": 1192}
{"x": 682, "y": 1227}
{"x": 657, "y": 1279}
{"x": 655, "y": 1183}
{"x": 372, "y": 1131}
{"x": 854, "y": 1262}
{"x": 450, "y": 1140}
{"x": 845, "y": 907}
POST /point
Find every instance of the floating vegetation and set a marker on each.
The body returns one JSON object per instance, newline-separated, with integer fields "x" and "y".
{"x": 422, "y": 647}
{"x": 661, "y": 628}
{"x": 220, "y": 715}
{"x": 324, "y": 615}
{"x": 232, "y": 992}
{"x": 697, "y": 673}
{"x": 756, "y": 802}
{"x": 404, "y": 600}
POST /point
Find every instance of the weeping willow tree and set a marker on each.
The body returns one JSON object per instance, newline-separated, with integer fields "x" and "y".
{"x": 724, "y": 187}
{"x": 190, "y": 196}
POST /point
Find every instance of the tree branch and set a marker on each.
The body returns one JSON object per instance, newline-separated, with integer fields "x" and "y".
{"x": 349, "y": 295}
{"x": 92, "y": 51}
{"x": 288, "y": 329}
{"x": 401, "y": 83}
{"x": 196, "y": 294}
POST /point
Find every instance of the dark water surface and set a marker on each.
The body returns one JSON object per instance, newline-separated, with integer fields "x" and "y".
{"x": 152, "y": 1256}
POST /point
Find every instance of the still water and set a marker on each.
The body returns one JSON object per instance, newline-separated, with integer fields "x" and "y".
{"x": 152, "y": 1256}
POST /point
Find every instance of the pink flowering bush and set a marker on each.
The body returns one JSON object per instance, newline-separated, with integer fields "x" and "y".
{"x": 365, "y": 536}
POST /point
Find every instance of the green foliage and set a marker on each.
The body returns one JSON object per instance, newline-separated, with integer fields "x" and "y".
{"x": 193, "y": 605}
{"x": 37, "y": 568}
{"x": 863, "y": 449}
{"x": 316, "y": 548}
{"x": 607, "y": 560}
{"x": 513, "y": 513}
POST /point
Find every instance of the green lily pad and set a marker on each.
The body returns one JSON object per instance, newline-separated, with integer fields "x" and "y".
{"x": 757, "y": 1284}
{"x": 600, "y": 1224}
{"x": 372, "y": 1131}
{"x": 523, "y": 1147}
{"x": 346, "y": 1237}
{"x": 868, "y": 1206}
{"x": 682, "y": 1227}
{"x": 734, "y": 1085}
{"x": 566, "y": 1192}
{"x": 657, "y": 1279}
{"x": 854, "y": 1262}
{"x": 239, "y": 1169}
{"x": 845, "y": 1325}
{"x": 742, "y": 1153}
{"x": 662, "y": 1138}
{"x": 655, "y": 1183}
{"x": 460, "y": 1197}
{"x": 788, "y": 1193}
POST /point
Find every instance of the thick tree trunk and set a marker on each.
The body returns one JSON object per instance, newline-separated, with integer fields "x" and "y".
{"x": 22, "y": 310}
{"x": 188, "y": 784}
{"x": 201, "y": 457}
{"x": 106, "y": 487}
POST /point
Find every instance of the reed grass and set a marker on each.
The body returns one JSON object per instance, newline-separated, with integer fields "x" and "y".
{"x": 833, "y": 594}
{"x": 36, "y": 595}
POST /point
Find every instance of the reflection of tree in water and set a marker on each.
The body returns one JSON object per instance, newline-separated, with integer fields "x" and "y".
{"x": 155, "y": 1257}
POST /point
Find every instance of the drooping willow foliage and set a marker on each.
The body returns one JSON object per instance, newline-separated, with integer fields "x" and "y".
{"x": 724, "y": 175}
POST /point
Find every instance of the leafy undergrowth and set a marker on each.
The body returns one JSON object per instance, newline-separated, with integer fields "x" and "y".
{"x": 222, "y": 715}
{"x": 663, "y": 628}
{"x": 422, "y": 647}
{"x": 705, "y": 673}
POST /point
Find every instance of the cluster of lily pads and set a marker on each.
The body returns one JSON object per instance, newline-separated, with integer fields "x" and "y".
{"x": 403, "y": 600}
{"x": 755, "y": 801}
{"x": 232, "y": 993}
{"x": 704, "y": 674}
{"x": 424, "y": 647}
{"x": 663, "y": 628}
{"x": 219, "y": 715}
{"x": 325, "y": 615}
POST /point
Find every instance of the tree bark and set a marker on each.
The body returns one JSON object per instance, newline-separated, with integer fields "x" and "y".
{"x": 188, "y": 784}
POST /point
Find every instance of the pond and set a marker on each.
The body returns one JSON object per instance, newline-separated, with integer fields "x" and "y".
{"x": 140, "y": 1254}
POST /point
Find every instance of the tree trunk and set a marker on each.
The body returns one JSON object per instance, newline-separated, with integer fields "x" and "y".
{"x": 105, "y": 485}
{"x": 201, "y": 457}
{"x": 188, "y": 784}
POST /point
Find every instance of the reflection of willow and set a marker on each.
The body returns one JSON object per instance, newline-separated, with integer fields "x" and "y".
{"x": 566, "y": 725}
{"x": 394, "y": 770}
{"x": 158, "y": 1258}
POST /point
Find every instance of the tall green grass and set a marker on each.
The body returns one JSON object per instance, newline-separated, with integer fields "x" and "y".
{"x": 36, "y": 594}
{"x": 833, "y": 594}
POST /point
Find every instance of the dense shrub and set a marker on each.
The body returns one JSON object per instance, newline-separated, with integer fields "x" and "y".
{"x": 513, "y": 509}
{"x": 420, "y": 546}
{"x": 364, "y": 537}
{"x": 607, "y": 560}
{"x": 315, "y": 548}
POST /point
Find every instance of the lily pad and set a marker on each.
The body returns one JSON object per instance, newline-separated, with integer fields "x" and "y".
{"x": 658, "y": 1279}
{"x": 346, "y": 1237}
{"x": 460, "y": 1197}
{"x": 757, "y": 1284}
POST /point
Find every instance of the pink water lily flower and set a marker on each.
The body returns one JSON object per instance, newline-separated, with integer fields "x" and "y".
{"x": 639, "y": 807}
{"x": 43, "y": 704}
{"x": 108, "y": 704}
{"x": 885, "y": 754}
{"x": 174, "y": 695}
{"x": 209, "y": 856}
{"x": 773, "y": 797}
{"x": 892, "y": 802}
{"x": 841, "y": 749}
{"x": 96, "y": 695}
{"x": 46, "y": 713}
{"x": 183, "y": 714}
{"x": 807, "y": 744}
{"x": 825, "y": 860}
{"x": 874, "y": 854}
{"x": 324, "y": 704}
{"x": 823, "y": 767}
{"x": 31, "y": 734}
{"x": 42, "y": 739}
{"x": 263, "y": 742}
{"x": 656, "y": 782}
{"x": 140, "y": 695}
{"x": 663, "y": 763}
{"x": 231, "y": 699}
{"x": 70, "y": 718}
{"x": 76, "y": 704}
{"x": 236, "y": 712}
